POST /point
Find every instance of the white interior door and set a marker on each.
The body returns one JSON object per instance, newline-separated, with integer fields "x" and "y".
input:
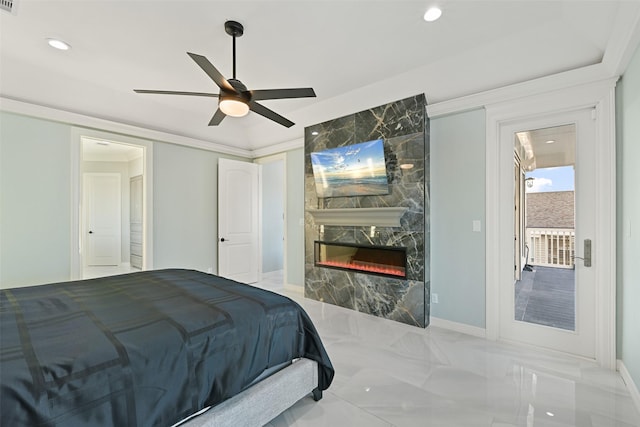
{"x": 580, "y": 341}
{"x": 102, "y": 231}
{"x": 238, "y": 242}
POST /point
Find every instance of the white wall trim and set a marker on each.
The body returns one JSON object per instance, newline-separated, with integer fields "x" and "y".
{"x": 48, "y": 113}
{"x": 297, "y": 290}
{"x": 458, "y": 327}
{"x": 631, "y": 385}
{"x": 278, "y": 148}
{"x": 75, "y": 184}
{"x": 598, "y": 94}
{"x": 577, "y": 77}
{"x": 623, "y": 42}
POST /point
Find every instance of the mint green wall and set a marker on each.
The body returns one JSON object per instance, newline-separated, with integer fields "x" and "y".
{"x": 628, "y": 217}
{"x": 35, "y": 201}
{"x": 295, "y": 214}
{"x": 35, "y": 214}
{"x": 185, "y": 207}
{"x": 457, "y": 199}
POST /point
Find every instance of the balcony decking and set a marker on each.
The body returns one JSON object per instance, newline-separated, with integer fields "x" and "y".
{"x": 546, "y": 296}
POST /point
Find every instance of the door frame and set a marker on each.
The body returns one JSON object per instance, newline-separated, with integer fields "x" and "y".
{"x": 599, "y": 95}
{"x": 77, "y": 133}
{"x": 262, "y": 161}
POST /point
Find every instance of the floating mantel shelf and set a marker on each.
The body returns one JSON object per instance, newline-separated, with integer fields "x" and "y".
{"x": 381, "y": 217}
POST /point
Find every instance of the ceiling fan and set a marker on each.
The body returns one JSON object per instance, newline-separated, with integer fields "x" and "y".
{"x": 234, "y": 98}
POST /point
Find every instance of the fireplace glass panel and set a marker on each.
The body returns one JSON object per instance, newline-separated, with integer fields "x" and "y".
{"x": 380, "y": 260}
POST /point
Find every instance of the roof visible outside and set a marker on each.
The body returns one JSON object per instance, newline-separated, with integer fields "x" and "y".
{"x": 550, "y": 209}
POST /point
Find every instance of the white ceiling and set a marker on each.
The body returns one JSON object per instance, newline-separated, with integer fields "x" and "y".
{"x": 345, "y": 50}
{"x": 99, "y": 150}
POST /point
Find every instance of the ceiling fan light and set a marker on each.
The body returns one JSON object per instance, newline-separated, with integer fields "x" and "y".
{"x": 432, "y": 14}
{"x": 233, "y": 107}
{"x": 58, "y": 44}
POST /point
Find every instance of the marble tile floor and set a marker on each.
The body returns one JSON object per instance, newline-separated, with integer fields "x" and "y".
{"x": 273, "y": 281}
{"x": 391, "y": 374}
{"x": 108, "y": 270}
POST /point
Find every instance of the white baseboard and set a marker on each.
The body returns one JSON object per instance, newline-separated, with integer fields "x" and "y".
{"x": 631, "y": 385}
{"x": 458, "y": 327}
{"x": 294, "y": 288}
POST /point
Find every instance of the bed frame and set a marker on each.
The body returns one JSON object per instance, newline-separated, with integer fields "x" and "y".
{"x": 263, "y": 401}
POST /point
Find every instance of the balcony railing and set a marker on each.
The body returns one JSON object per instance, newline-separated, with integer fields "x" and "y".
{"x": 551, "y": 247}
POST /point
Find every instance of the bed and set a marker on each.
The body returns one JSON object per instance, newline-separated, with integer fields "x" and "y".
{"x": 154, "y": 348}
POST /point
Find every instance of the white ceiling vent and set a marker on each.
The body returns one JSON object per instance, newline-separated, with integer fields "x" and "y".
{"x": 9, "y": 6}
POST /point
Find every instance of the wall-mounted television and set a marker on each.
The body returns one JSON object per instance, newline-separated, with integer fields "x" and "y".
{"x": 353, "y": 170}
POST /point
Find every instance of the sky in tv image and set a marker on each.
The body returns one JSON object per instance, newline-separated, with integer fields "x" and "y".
{"x": 354, "y": 170}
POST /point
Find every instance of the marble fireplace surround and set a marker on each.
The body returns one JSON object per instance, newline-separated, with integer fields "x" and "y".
{"x": 397, "y": 219}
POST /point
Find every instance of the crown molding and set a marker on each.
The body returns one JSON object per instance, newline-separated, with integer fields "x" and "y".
{"x": 624, "y": 39}
{"x": 537, "y": 86}
{"x": 48, "y": 113}
{"x": 623, "y": 43}
{"x": 278, "y": 148}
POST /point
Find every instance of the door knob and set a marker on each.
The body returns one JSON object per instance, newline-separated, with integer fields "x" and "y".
{"x": 90, "y": 232}
{"x": 223, "y": 240}
{"x": 587, "y": 253}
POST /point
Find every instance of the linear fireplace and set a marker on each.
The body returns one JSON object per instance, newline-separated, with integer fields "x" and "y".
{"x": 380, "y": 260}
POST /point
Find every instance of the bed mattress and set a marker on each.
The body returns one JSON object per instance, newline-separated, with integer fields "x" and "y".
{"x": 142, "y": 349}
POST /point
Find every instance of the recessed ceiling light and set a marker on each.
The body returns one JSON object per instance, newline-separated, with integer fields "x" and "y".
{"x": 58, "y": 44}
{"x": 432, "y": 14}
{"x": 551, "y": 141}
{"x": 406, "y": 166}
{"x": 314, "y": 133}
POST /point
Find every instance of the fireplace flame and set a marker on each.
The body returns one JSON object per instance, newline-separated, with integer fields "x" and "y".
{"x": 366, "y": 267}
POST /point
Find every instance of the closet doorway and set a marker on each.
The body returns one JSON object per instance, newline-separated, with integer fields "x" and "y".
{"x": 111, "y": 204}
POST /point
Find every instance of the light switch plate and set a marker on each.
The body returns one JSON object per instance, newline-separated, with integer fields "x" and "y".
{"x": 476, "y": 226}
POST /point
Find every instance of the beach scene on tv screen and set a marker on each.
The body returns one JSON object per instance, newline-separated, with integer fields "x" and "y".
{"x": 353, "y": 170}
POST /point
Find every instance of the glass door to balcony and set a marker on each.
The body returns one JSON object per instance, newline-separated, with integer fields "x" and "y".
{"x": 551, "y": 300}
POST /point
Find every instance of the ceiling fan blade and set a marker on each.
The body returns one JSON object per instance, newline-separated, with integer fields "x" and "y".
{"x": 262, "y": 94}
{"x": 269, "y": 114}
{"x": 172, "y": 92}
{"x": 217, "y": 118}
{"x": 212, "y": 72}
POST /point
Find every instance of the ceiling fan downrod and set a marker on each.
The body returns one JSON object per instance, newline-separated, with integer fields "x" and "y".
{"x": 234, "y": 29}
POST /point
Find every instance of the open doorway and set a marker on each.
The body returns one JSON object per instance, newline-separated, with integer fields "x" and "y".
{"x": 273, "y": 220}
{"x": 545, "y": 291}
{"x": 111, "y": 207}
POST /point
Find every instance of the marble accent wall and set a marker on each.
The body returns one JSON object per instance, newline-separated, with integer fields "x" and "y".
{"x": 404, "y": 127}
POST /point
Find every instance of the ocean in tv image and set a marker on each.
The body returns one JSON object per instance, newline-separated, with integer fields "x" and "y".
{"x": 354, "y": 170}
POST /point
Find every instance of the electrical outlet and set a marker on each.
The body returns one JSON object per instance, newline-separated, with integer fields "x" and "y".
{"x": 434, "y": 298}
{"x": 210, "y": 270}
